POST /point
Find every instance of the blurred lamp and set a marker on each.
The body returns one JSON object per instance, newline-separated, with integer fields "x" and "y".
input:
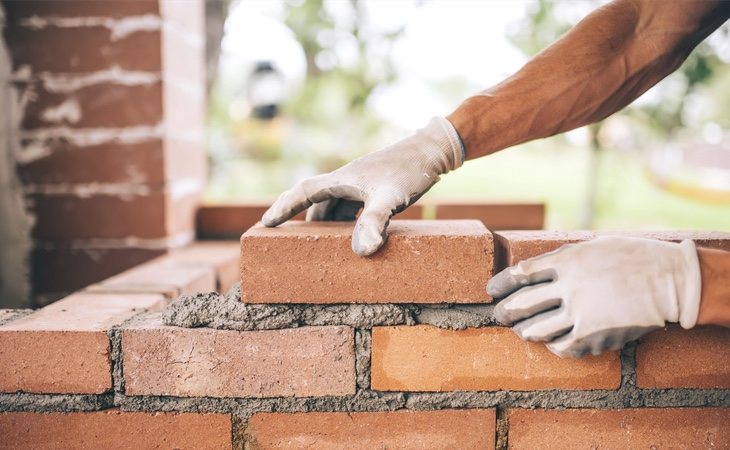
{"x": 266, "y": 89}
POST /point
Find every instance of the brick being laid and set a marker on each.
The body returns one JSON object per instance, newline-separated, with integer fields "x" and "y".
{"x": 423, "y": 261}
{"x": 64, "y": 348}
{"x": 449, "y": 428}
{"x": 204, "y": 362}
{"x": 426, "y": 358}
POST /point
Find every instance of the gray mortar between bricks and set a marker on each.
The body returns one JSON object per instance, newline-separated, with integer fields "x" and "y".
{"x": 228, "y": 312}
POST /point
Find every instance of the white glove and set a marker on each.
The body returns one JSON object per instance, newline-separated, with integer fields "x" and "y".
{"x": 384, "y": 182}
{"x": 596, "y": 296}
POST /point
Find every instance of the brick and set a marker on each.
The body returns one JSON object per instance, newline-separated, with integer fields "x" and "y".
{"x": 222, "y": 257}
{"x": 518, "y": 216}
{"x": 203, "y": 362}
{"x": 160, "y": 276}
{"x": 64, "y": 348}
{"x": 68, "y": 270}
{"x": 462, "y": 429}
{"x": 82, "y": 49}
{"x": 620, "y": 428}
{"x": 678, "y": 358}
{"x": 79, "y": 8}
{"x": 114, "y": 429}
{"x": 229, "y": 221}
{"x": 425, "y": 358}
{"x": 103, "y": 105}
{"x": 65, "y": 163}
{"x": 423, "y": 262}
{"x": 518, "y": 245}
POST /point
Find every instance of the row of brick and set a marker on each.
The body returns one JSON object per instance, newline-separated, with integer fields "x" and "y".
{"x": 228, "y": 221}
{"x": 463, "y": 429}
{"x": 422, "y": 262}
{"x": 64, "y": 348}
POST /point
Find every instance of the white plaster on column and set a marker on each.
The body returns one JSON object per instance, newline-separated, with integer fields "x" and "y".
{"x": 67, "y": 111}
{"x": 120, "y": 28}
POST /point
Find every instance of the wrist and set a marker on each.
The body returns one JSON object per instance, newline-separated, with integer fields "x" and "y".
{"x": 447, "y": 143}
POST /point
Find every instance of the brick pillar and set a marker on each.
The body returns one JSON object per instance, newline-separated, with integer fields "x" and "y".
{"x": 111, "y": 153}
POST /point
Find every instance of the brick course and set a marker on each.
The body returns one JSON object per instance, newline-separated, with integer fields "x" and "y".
{"x": 518, "y": 216}
{"x": 424, "y": 358}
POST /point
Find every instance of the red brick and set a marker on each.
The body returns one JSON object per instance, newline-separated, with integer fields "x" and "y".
{"x": 114, "y": 429}
{"x": 68, "y": 270}
{"x": 425, "y": 358}
{"x": 495, "y": 216}
{"x": 229, "y": 221}
{"x": 620, "y": 428}
{"x": 678, "y": 358}
{"x": 161, "y": 276}
{"x": 312, "y": 262}
{"x": 458, "y": 429}
{"x": 103, "y": 105}
{"x": 519, "y": 245}
{"x": 222, "y": 257}
{"x": 79, "y": 8}
{"x": 203, "y": 362}
{"x": 82, "y": 49}
{"x": 136, "y": 163}
{"x": 63, "y": 348}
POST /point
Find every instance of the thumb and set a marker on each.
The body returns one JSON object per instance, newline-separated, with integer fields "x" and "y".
{"x": 370, "y": 230}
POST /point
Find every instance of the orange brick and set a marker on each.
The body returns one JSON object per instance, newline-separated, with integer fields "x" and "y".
{"x": 620, "y": 428}
{"x": 518, "y": 245}
{"x": 676, "y": 358}
{"x": 495, "y": 216}
{"x": 425, "y": 358}
{"x": 458, "y": 429}
{"x": 423, "y": 261}
{"x": 222, "y": 257}
{"x": 202, "y": 362}
{"x": 64, "y": 348}
{"x": 161, "y": 276}
{"x": 114, "y": 430}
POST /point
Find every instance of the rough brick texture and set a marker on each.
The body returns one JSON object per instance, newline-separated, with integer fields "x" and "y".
{"x": 64, "y": 348}
{"x": 425, "y": 358}
{"x": 301, "y": 362}
{"x": 422, "y": 262}
{"x": 677, "y": 358}
{"x": 698, "y": 428}
{"x": 518, "y": 216}
{"x": 515, "y": 246}
{"x": 114, "y": 430}
{"x": 222, "y": 257}
{"x": 462, "y": 429}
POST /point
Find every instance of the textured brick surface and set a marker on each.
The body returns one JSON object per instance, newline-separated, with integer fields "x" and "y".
{"x": 425, "y": 358}
{"x": 458, "y": 429}
{"x": 64, "y": 348}
{"x": 423, "y": 261}
{"x": 161, "y": 276}
{"x": 675, "y": 358}
{"x": 222, "y": 257}
{"x": 302, "y": 362}
{"x": 700, "y": 428}
{"x": 518, "y": 216}
{"x": 114, "y": 430}
{"x": 518, "y": 245}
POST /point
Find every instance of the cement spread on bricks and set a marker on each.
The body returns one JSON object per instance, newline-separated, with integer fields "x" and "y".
{"x": 228, "y": 312}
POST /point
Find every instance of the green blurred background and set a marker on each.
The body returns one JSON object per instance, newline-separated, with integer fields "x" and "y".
{"x": 302, "y": 87}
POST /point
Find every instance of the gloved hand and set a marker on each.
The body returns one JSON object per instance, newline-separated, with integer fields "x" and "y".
{"x": 596, "y": 296}
{"x": 383, "y": 183}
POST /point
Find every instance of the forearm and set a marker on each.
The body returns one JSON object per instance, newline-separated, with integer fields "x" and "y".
{"x": 715, "y": 300}
{"x": 604, "y": 63}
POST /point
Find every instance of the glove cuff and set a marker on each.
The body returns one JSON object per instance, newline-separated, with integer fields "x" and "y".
{"x": 446, "y": 138}
{"x": 689, "y": 303}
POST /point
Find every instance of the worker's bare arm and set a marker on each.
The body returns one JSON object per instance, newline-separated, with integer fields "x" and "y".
{"x": 715, "y": 300}
{"x": 605, "y": 62}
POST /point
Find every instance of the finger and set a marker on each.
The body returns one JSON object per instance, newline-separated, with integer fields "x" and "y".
{"x": 297, "y": 199}
{"x": 545, "y": 326}
{"x": 568, "y": 347}
{"x": 370, "y": 230}
{"x": 530, "y": 271}
{"x": 527, "y": 302}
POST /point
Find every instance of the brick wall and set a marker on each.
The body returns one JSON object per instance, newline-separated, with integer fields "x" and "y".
{"x": 343, "y": 371}
{"x": 111, "y": 152}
